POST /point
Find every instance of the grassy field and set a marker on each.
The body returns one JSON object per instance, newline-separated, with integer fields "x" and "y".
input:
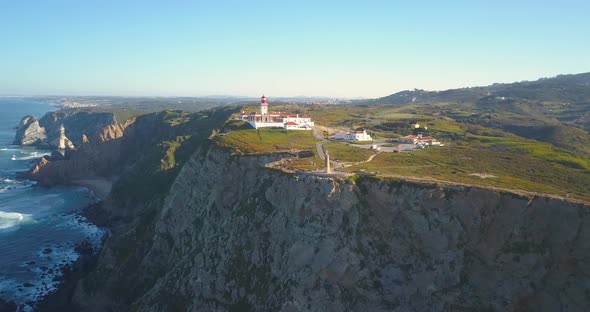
{"x": 484, "y": 149}
{"x": 506, "y": 166}
{"x": 345, "y": 153}
{"x": 267, "y": 140}
{"x": 313, "y": 163}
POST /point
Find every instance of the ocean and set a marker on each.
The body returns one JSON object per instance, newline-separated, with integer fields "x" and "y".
{"x": 39, "y": 227}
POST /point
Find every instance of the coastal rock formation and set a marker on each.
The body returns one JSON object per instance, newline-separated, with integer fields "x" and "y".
{"x": 29, "y": 132}
{"x": 67, "y": 129}
{"x": 195, "y": 228}
{"x": 61, "y": 141}
{"x": 232, "y": 235}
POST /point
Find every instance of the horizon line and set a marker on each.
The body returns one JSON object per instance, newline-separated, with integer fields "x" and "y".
{"x": 285, "y": 96}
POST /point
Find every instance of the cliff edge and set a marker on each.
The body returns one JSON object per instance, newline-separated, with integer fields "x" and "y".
{"x": 194, "y": 227}
{"x": 231, "y": 235}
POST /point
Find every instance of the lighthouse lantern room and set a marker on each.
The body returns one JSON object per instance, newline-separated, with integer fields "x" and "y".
{"x": 263, "y": 106}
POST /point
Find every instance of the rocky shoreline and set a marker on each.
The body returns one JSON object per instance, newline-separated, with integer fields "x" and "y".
{"x": 64, "y": 275}
{"x": 61, "y": 298}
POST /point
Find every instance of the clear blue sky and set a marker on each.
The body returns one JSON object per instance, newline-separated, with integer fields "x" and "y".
{"x": 284, "y": 48}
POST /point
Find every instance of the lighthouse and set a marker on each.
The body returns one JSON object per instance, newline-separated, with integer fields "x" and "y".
{"x": 263, "y": 106}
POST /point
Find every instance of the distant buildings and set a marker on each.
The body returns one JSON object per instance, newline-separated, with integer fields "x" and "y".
{"x": 417, "y": 126}
{"x": 264, "y": 119}
{"x": 419, "y": 139}
{"x": 353, "y": 136}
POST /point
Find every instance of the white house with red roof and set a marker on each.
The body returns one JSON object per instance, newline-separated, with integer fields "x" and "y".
{"x": 264, "y": 119}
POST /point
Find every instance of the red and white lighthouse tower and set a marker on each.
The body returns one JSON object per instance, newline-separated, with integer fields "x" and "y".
{"x": 263, "y": 106}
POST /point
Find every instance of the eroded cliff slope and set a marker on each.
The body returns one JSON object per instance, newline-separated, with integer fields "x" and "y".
{"x": 79, "y": 127}
{"x": 233, "y": 235}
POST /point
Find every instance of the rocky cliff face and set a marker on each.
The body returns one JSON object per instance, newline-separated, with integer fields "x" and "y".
{"x": 66, "y": 129}
{"x": 233, "y": 235}
{"x": 29, "y": 132}
{"x": 147, "y": 150}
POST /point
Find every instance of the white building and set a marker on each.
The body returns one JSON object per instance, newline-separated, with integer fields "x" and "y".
{"x": 419, "y": 139}
{"x": 264, "y": 119}
{"x": 353, "y": 136}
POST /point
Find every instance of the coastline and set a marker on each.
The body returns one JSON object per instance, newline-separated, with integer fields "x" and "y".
{"x": 99, "y": 187}
{"x": 61, "y": 298}
{"x": 53, "y": 273}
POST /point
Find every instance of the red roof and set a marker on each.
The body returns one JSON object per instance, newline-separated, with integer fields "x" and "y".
{"x": 410, "y": 137}
{"x": 288, "y": 115}
{"x": 290, "y": 123}
{"x": 263, "y": 100}
{"x": 305, "y": 116}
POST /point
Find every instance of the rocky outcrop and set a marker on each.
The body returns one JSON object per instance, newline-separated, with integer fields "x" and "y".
{"x": 29, "y": 132}
{"x": 68, "y": 129}
{"x": 133, "y": 151}
{"x": 62, "y": 142}
{"x": 231, "y": 235}
{"x": 213, "y": 231}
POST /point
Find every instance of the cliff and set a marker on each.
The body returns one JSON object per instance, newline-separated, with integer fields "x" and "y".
{"x": 143, "y": 149}
{"x": 233, "y": 235}
{"x": 68, "y": 129}
{"x": 29, "y": 132}
{"x": 194, "y": 227}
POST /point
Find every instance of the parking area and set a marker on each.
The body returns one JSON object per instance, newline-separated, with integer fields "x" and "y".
{"x": 388, "y": 147}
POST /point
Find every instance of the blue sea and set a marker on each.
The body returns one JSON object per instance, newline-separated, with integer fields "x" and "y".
{"x": 39, "y": 227}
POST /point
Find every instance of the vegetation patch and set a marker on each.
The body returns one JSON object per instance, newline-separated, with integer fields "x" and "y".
{"x": 516, "y": 171}
{"x": 345, "y": 153}
{"x": 267, "y": 140}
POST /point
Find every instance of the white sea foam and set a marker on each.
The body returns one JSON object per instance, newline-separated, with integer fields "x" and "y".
{"x": 45, "y": 281}
{"x": 45, "y": 272}
{"x": 11, "y": 221}
{"x": 91, "y": 232}
{"x": 32, "y": 156}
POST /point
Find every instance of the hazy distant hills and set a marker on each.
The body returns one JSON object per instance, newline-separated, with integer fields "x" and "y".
{"x": 562, "y": 88}
{"x": 554, "y": 110}
{"x": 563, "y": 99}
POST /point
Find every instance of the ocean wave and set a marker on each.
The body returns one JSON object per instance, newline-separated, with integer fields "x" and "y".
{"x": 33, "y": 155}
{"x": 7, "y": 184}
{"x": 11, "y": 221}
